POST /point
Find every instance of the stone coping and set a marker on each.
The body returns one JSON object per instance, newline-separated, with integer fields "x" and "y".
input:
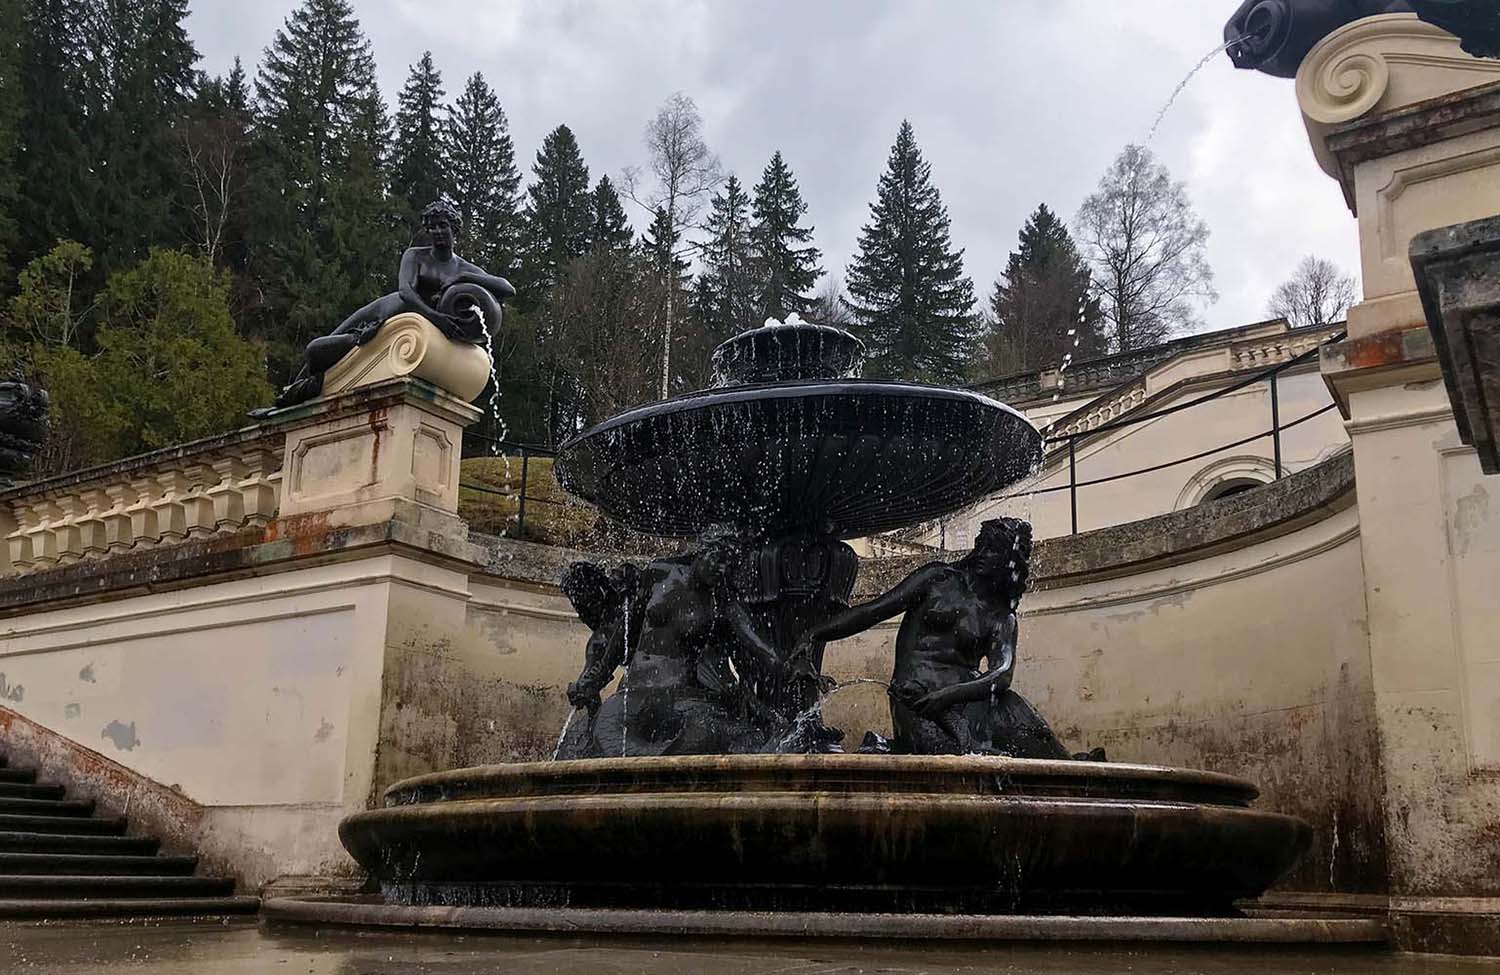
{"x": 1412, "y": 127}
{"x": 1275, "y": 929}
{"x": 292, "y": 543}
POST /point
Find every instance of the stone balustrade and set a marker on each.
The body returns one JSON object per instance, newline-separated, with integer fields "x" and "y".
{"x": 214, "y": 487}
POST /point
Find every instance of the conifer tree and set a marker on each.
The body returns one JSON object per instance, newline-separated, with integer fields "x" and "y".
{"x": 10, "y": 119}
{"x": 611, "y": 226}
{"x": 321, "y": 131}
{"x": 138, "y": 75}
{"x": 1042, "y": 310}
{"x": 417, "y": 164}
{"x": 727, "y": 299}
{"x": 787, "y": 263}
{"x": 559, "y": 216}
{"x": 482, "y": 177}
{"x": 54, "y": 177}
{"x": 908, "y": 292}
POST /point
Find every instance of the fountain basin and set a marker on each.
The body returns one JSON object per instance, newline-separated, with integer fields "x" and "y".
{"x": 827, "y": 458}
{"x": 977, "y": 835}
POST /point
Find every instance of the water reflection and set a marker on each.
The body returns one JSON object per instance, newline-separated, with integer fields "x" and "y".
{"x": 192, "y": 949}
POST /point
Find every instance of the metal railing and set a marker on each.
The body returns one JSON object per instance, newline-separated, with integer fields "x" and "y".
{"x": 476, "y": 446}
{"x": 1068, "y": 443}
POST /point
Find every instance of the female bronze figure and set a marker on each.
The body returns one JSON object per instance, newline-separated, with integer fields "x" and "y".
{"x": 460, "y": 298}
{"x": 693, "y": 665}
{"x": 958, "y": 615}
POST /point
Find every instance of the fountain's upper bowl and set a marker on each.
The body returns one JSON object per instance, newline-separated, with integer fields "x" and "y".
{"x": 788, "y": 443}
{"x": 787, "y": 353}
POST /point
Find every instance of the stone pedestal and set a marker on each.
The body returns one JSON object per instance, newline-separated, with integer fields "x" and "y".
{"x": 1410, "y": 127}
{"x": 411, "y": 346}
{"x": 383, "y": 451}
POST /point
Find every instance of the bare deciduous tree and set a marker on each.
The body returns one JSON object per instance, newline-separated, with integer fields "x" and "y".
{"x": 1146, "y": 247}
{"x": 681, "y": 174}
{"x": 1318, "y": 294}
{"x": 830, "y": 306}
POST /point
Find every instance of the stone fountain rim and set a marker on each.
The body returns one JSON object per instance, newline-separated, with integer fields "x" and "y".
{"x": 789, "y": 328}
{"x": 811, "y": 773}
{"x": 794, "y": 390}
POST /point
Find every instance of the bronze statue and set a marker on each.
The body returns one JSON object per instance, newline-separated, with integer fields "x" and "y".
{"x": 956, "y": 616}
{"x": 1275, "y": 36}
{"x": 460, "y": 298}
{"x": 694, "y": 675}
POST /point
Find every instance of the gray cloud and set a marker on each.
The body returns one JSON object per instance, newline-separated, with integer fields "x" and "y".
{"x": 1015, "y": 102}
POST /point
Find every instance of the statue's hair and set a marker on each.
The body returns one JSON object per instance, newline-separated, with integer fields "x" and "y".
{"x": 589, "y": 589}
{"x": 1009, "y": 538}
{"x": 442, "y": 208}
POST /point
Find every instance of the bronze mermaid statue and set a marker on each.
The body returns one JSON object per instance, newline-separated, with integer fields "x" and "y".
{"x": 461, "y": 299}
{"x": 957, "y": 616}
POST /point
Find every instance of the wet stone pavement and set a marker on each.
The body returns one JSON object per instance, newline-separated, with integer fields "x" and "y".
{"x": 212, "y": 948}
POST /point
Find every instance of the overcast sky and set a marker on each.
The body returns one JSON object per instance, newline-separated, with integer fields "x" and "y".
{"x": 1015, "y": 103}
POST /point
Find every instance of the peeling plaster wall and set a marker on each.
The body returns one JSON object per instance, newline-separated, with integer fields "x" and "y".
{"x": 255, "y": 701}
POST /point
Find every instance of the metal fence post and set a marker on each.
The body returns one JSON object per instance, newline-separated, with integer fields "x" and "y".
{"x": 1276, "y": 420}
{"x": 521, "y": 509}
{"x": 1073, "y": 479}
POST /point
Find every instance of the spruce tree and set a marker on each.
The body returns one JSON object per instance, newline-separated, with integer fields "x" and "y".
{"x": 559, "y": 217}
{"x": 611, "y": 226}
{"x": 320, "y": 133}
{"x": 787, "y": 263}
{"x": 1043, "y": 310}
{"x": 728, "y": 299}
{"x": 138, "y": 76}
{"x": 10, "y": 119}
{"x": 908, "y": 292}
{"x": 482, "y": 177}
{"x": 417, "y": 164}
{"x": 52, "y": 170}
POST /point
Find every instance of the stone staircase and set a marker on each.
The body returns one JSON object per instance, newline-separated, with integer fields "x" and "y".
{"x": 58, "y": 859}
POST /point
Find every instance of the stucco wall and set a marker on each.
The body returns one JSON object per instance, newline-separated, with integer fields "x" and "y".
{"x": 256, "y": 700}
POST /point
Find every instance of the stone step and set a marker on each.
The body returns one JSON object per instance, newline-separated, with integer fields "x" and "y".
{"x": 69, "y": 825}
{"x": 31, "y": 790}
{"x": 47, "y": 807}
{"x": 96, "y": 864}
{"x": 32, "y": 842}
{"x": 141, "y": 907}
{"x": 17, "y": 775}
{"x": 35, "y": 887}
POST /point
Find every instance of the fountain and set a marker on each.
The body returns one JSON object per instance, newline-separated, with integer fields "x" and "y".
{"x": 699, "y": 786}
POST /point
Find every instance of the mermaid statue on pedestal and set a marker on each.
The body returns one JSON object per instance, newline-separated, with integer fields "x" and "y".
{"x": 461, "y": 299}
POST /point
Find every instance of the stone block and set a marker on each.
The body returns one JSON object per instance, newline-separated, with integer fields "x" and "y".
{"x": 1458, "y": 276}
{"x": 411, "y": 346}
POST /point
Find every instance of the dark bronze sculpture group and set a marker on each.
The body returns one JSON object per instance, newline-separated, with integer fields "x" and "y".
{"x": 700, "y": 678}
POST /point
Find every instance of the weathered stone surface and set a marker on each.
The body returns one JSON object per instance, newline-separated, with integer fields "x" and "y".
{"x": 1458, "y": 275}
{"x": 857, "y": 833}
